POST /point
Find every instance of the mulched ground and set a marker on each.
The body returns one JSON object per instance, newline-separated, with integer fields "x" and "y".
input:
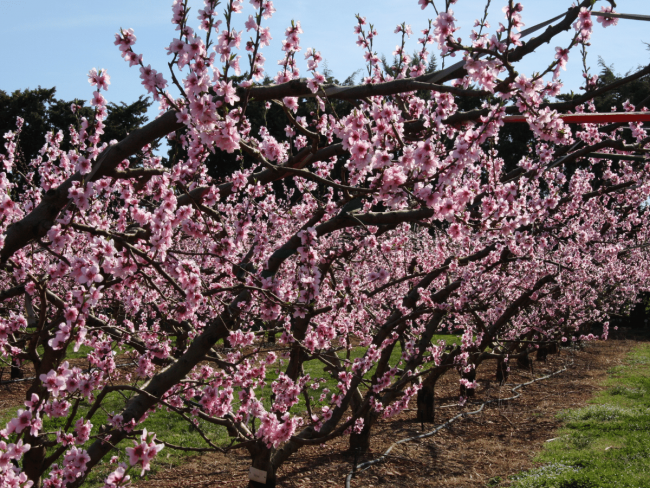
{"x": 11, "y": 394}
{"x": 500, "y": 441}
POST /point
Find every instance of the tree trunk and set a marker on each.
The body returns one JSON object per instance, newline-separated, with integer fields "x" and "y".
{"x": 502, "y": 371}
{"x": 426, "y": 404}
{"x": 523, "y": 361}
{"x": 16, "y": 370}
{"x": 360, "y": 443}
{"x": 468, "y": 392}
{"x": 542, "y": 352}
{"x": 262, "y": 462}
{"x": 33, "y": 460}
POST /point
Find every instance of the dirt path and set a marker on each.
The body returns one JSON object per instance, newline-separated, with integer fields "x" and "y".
{"x": 486, "y": 448}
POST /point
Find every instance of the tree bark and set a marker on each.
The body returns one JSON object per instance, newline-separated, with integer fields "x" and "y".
{"x": 271, "y": 337}
{"x": 502, "y": 371}
{"x": 523, "y": 361}
{"x": 33, "y": 460}
{"x": 542, "y": 352}
{"x": 360, "y": 443}
{"x": 426, "y": 404}
{"x": 261, "y": 460}
{"x": 16, "y": 370}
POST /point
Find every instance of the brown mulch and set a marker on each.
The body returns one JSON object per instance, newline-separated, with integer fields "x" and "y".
{"x": 500, "y": 441}
{"x": 12, "y": 394}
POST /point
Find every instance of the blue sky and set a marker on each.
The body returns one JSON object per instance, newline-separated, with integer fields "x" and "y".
{"x": 50, "y": 43}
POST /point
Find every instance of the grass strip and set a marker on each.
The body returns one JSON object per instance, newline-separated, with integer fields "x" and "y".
{"x": 607, "y": 443}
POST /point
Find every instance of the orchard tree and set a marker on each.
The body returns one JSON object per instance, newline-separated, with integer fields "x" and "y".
{"x": 383, "y": 215}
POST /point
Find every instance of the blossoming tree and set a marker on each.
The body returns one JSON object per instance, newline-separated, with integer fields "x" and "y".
{"x": 362, "y": 231}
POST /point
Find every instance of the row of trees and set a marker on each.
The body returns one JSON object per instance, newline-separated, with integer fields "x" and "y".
{"x": 384, "y": 215}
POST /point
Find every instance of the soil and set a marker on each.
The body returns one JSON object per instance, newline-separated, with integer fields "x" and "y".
{"x": 477, "y": 451}
{"x": 11, "y": 393}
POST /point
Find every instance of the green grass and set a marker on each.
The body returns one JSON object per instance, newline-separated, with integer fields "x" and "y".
{"x": 80, "y": 354}
{"x": 171, "y": 427}
{"x": 607, "y": 443}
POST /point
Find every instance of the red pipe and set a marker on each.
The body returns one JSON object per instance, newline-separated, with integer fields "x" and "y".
{"x": 593, "y": 118}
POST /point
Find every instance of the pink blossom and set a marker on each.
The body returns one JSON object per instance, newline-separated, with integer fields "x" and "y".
{"x": 228, "y": 92}
{"x": 250, "y": 24}
{"x": 315, "y": 82}
{"x": 291, "y": 103}
{"x": 144, "y": 451}
{"x": 607, "y": 21}
{"x": 99, "y": 78}
{"x": 18, "y": 423}
{"x": 54, "y": 382}
{"x": 117, "y": 478}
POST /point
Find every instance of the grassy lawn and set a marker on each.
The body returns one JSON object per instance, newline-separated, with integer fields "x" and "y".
{"x": 607, "y": 443}
{"x": 172, "y": 428}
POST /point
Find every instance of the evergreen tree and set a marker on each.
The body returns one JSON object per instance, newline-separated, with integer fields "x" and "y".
{"x": 44, "y": 113}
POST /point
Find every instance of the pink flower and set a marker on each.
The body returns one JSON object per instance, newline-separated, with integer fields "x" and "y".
{"x": 98, "y": 100}
{"x": 53, "y": 382}
{"x": 18, "y": 423}
{"x": 82, "y": 431}
{"x": 194, "y": 47}
{"x": 71, "y": 314}
{"x": 314, "y": 83}
{"x": 125, "y": 39}
{"x": 455, "y": 231}
{"x": 359, "y": 150}
{"x": 81, "y": 196}
{"x": 90, "y": 274}
{"x": 562, "y": 56}
{"x": 144, "y": 451}
{"x": 250, "y": 24}
{"x": 265, "y": 36}
{"x": 101, "y": 78}
{"x": 584, "y": 24}
{"x": 183, "y": 117}
{"x": 291, "y": 103}
{"x": 607, "y": 21}
{"x": 84, "y": 165}
{"x": 239, "y": 181}
{"x": 175, "y": 47}
{"x": 117, "y": 478}
{"x": 136, "y": 453}
{"x": 228, "y": 92}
